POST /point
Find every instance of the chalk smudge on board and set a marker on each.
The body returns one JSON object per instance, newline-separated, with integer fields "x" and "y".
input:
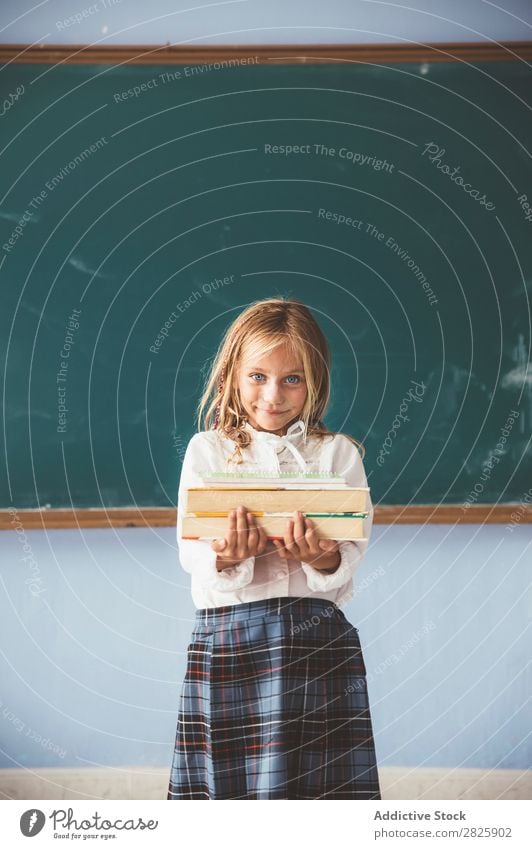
{"x": 80, "y": 265}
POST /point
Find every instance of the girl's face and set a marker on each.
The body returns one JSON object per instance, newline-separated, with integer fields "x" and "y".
{"x": 272, "y": 390}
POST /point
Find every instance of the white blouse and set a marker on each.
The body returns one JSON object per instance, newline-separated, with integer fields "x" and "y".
{"x": 267, "y": 575}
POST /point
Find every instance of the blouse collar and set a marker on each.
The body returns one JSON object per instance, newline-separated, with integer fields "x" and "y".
{"x": 296, "y": 433}
{"x": 293, "y": 434}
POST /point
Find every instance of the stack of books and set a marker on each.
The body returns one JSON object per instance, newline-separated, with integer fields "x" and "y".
{"x": 337, "y": 510}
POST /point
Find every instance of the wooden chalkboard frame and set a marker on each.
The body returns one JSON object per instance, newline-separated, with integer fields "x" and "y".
{"x": 89, "y": 54}
{"x": 149, "y": 54}
{"x": 159, "y": 517}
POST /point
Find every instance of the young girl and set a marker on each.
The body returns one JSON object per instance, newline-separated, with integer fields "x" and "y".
{"x": 274, "y": 703}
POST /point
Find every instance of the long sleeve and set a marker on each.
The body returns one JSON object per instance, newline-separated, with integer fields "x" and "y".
{"x": 196, "y": 556}
{"x": 348, "y": 462}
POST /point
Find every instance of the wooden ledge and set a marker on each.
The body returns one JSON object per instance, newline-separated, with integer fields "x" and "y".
{"x": 166, "y": 54}
{"x": 162, "y": 517}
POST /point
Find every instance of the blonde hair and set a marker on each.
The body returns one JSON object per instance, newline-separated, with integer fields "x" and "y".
{"x": 260, "y": 328}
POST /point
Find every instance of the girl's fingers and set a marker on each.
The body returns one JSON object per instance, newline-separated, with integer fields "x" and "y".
{"x": 290, "y": 544}
{"x": 263, "y": 539}
{"x": 231, "y": 534}
{"x": 241, "y": 524}
{"x": 245, "y": 537}
{"x": 315, "y": 544}
{"x": 308, "y": 544}
{"x": 289, "y": 535}
{"x": 253, "y": 535}
{"x": 299, "y": 528}
{"x": 311, "y": 536}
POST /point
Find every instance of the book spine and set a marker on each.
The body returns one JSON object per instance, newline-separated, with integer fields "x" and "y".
{"x": 209, "y": 514}
{"x": 281, "y": 539}
{"x": 265, "y": 473}
{"x": 358, "y": 539}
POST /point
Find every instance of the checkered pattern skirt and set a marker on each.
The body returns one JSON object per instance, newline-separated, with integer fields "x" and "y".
{"x": 274, "y": 705}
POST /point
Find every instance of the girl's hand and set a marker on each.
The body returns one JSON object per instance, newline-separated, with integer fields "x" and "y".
{"x": 301, "y": 542}
{"x": 244, "y": 539}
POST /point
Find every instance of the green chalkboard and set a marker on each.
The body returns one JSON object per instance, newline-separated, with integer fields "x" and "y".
{"x": 390, "y": 198}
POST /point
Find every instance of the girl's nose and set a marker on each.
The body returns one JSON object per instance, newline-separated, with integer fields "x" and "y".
{"x": 272, "y": 392}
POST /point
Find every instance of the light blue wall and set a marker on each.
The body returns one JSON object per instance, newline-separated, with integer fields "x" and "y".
{"x": 94, "y": 662}
{"x": 260, "y": 22}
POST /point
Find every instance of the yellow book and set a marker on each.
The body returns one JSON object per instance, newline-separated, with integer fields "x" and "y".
{"x": 277, "y": 499}
{"x": 327, "y": 526}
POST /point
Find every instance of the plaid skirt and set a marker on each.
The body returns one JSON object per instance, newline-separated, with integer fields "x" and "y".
{"x": 274, "y": 705}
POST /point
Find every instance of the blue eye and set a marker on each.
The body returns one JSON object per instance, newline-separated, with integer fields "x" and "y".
{"x": 258, "y": 374}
